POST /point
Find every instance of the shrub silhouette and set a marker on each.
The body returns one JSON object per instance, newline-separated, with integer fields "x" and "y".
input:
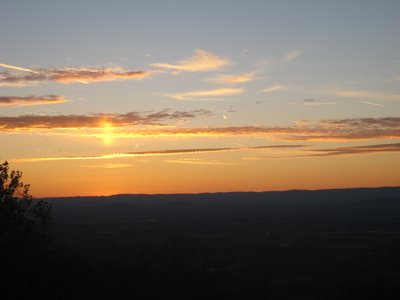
{"x": 25, "y": 247}
{"x": 32, "y": 264}
{"x": 21, "y": 217}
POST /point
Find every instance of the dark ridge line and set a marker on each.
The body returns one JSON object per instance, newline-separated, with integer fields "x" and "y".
{"x": 225, "y": 193}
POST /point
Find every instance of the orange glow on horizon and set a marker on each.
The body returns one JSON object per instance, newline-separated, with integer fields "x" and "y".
{"x": 226, "y": 173}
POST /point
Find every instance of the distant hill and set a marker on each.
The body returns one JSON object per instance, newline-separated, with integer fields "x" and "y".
{"x": 297, "y": 203}
{"x": 325, "y": 244}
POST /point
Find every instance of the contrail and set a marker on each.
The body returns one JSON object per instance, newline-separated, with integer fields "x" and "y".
{"x": 16, "y": 68}
{"x": 170, "y": 152}
{"x": 372, "y": 103}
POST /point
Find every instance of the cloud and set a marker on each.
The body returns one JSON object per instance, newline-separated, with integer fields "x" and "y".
{"x": 201, "y": 61}
{"x": 95, "y": 120}
{"x": 169, "y": 152}
{"x": 109, "y": 166}
{"x": 71, "y": 75}
{"x": 233, "y": 79}
{"x": 325, "y": 130}
{"x": 198, "y": 161}
{"x": 128, "y": 126}
{"x": 313, "y": 102}
{"x": 348, "y": 129}
{"x": 207, "y": 94}
{"x": 292, "y": 55}
{"x": 367, "y": 123}
{"x": 367, "y": 95}
{"x": 357, "y": 150}
{"x": 31, "y": 100}
{"x": 372, "y": 103}
{"x": 274, "y": 88}
{"x": 368, "y": 149}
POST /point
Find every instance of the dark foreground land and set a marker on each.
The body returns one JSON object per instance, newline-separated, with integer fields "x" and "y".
{"x": 329, "y": 244}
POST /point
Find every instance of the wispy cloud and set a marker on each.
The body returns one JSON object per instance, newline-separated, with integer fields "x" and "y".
{"x": 372, "y": 103}
{"x": 109, "y": 166}
{"x": 233, "y": 79}
{"x": 368, "y": 123}
{"x": 127, "y": 126}
{"x": 292, "y": 55}
{"x": 324, "y": 130}
{"x": 274, "y": 88}
{"x": 198, "y": 161}
{"x": 169, "y": 152}
{"x": 71, "y": 75}
{"x": 357, "y": 150}
{"x": 207, "y": 94}
{"x": 366, "y": 94}
{"x": 201, "y": 61}
{"x": 351, "y": 150}
{"x": 95, "y": 120}
{"x": 349, "y": 129}
{"x": 31, "y": 100}
{"x": 313, "y": 102}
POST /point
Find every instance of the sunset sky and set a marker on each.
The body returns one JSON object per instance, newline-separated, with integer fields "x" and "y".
{"x": 105, "y": 97}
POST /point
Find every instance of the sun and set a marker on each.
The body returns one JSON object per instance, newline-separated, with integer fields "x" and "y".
{"x": 107, "y": 135}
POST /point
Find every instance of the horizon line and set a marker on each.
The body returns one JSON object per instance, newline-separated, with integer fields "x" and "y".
{"x": 217, "y": 193}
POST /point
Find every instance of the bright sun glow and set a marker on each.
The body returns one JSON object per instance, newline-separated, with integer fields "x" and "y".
{"x": 107, "y": 135}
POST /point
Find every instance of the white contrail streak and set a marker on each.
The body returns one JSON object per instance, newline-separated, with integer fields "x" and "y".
{"x": 372, "y": 103}
{"x": 16, "y": 68}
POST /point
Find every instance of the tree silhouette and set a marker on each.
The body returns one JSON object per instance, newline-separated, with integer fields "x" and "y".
{"x": 26, "y": 250}
{"x": 23, "y": 222}
{"x": 21, "y": 217}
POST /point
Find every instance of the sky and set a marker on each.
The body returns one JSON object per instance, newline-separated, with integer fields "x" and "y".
{"x": 108, "y": 97}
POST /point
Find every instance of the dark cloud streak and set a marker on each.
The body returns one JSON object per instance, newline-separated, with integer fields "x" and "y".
{"x": 96, "y": 120}
{"x": 70, "y": 75}
{"x": 357, "y": 150}
{"x": 161, "y": 153}
{"x": 30, "y": 100}
{"x": 324, "y": 130}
